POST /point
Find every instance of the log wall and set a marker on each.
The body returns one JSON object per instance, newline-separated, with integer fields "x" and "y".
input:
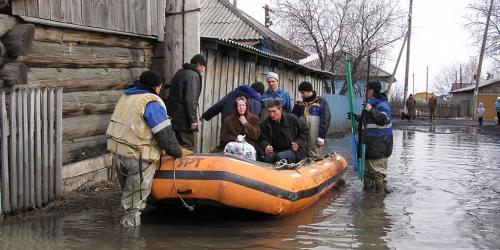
{"x": 91, "y": 68}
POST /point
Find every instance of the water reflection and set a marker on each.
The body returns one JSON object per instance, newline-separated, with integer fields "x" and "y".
{"x": 446, "y": 196}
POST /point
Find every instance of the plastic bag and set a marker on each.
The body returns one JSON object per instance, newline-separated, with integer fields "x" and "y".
{"x": 241, "y": 149}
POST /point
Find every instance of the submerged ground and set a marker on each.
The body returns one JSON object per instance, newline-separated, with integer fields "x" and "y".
{"x": 446, "y": 196}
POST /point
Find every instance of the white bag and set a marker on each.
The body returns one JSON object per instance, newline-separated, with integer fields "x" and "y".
{"x": 241, "y": 149}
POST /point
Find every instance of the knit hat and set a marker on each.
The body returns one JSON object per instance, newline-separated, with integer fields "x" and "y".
{"x": 199, "y": 59}
{"x": 258, "y": 87}
{"x": 306, "y": 86}
{"x": 273, "y": 75}
{"x": 150, "y": 78}
{"x": 375, "y": 85}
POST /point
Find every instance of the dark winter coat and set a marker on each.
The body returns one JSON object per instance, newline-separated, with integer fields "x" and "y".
{"x": 280, "y": 136}
{"x": 316, "y": 106}
{"x": 226, "y": 105}
{"x": 231, "y": 128}
{"x": 377, "y": 129}
{"x": 182, "y": 99}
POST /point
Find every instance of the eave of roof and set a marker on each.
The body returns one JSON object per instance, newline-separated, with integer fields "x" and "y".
{"x": 247, "y": 48}
{"x": 473, "y": 86}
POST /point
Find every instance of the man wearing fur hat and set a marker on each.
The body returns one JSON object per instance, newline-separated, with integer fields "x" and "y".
{"x": 139, "y": 133}
{"x": 316, "y": 113}
{"x": 274, "y": 92}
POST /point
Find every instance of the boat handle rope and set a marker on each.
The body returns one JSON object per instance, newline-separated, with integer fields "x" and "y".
{"x": 186, "y": 205}
{"x": 283, "y": 164}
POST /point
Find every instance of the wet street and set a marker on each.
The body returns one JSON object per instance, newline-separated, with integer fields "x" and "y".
{"x": 446, "y": 195}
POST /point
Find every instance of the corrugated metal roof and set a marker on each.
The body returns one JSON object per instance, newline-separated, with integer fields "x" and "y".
{"x": 221, "y": 19}
{"x": 473, "y": 86}
{"x": 340, "y": 69}
{"x": 266, "y": 54}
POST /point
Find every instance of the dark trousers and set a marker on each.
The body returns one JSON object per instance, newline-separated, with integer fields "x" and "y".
{"x": 498, "y": 117}
{"x": 185, "y": 139}
{"x": 480, "y": 119}
{"x": 288, "y": 155}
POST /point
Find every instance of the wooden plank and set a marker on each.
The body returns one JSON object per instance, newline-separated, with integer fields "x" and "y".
{"x": 86, "y": 166}
{"x": 58, "y": 156}
{"x": 38, "y": 149}
{"x": 55, "y": 10}
{"x": 132, "y": 16}
{"x": 153, "y": 15}
{"x": 103, "y": 11}
{"x": 95, "y": 125}
{"x": 20, "y": 151}
{"x": 44, "y": 9}
{"x": 218, "y": 94}
{"x": 161, "y": 20}
{"x": 31, "y": 143}
{"x": 4, "y": 154}
{"x": 45, "y": 147}
{"x": 25, "y": 145}
{"x": 32, "y": 8}
{"x": 87, "y": 13}
{"x": 61, "y": 55}
{"x": 19, "y": 7}
{"x": 207, "y": 100}
{"x": 141, "y": 16}
{"x": 83, "y": 79}
{"x": 76, "y": 11}
{"x": 148, "y": 16}
{"x": 13, "y": 152}
{"x": 51, "y": 145}
{"x": 66, "y": 11}
{"x": 119, "y": 21}
{"x": 90, "y": 102}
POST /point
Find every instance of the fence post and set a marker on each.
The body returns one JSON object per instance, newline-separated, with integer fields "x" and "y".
{"x": 4, "y": 154}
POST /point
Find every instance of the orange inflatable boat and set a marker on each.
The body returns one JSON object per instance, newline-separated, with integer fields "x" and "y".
{"x": 234, "y": 182}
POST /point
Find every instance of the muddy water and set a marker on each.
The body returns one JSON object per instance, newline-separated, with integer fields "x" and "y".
{"x": 446, "y": 196}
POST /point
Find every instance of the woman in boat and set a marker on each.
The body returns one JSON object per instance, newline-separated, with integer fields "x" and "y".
{"x": 241, "y": 126}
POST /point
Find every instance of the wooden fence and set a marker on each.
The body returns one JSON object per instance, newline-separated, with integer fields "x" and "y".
{"x": 443, "y": 110}
{"x": 30, "y": 148}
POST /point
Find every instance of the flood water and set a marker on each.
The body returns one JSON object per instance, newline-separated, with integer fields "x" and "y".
{"x": 446, "y": 196}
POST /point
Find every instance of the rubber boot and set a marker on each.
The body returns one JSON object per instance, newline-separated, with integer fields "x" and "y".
{"x": 368, "y": 184}
{"x": 131, "y": 219}
{"x": 379, "y": 185}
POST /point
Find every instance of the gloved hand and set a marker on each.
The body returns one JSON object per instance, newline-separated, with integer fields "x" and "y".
{"x": 186, "y": 152}
{"x": 368, "y": 107}
{"x": 320, "y": 141}
{"x": 356, "y": 116}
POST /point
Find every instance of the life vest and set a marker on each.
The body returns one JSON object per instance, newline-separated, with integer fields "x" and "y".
{"x": 128, "y": 133}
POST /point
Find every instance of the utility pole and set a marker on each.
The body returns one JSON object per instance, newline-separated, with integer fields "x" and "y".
{"x": 267, "y": 12}
{"x": 481, "y": 57}
{"x": 413, "y": 92}
{"x": 407, "y": 71}
{"x": 427, "y": 84}
{"x": 391, "y": 81}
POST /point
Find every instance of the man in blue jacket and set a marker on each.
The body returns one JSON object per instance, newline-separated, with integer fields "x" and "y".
{"x": 376, "y": 125}
{"x": 274, "y": 92}
{"x": 225, "y": 106}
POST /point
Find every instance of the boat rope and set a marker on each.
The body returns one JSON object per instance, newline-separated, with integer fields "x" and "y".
{"x": 189, "y": 207}
{"x": 283, "y": 164}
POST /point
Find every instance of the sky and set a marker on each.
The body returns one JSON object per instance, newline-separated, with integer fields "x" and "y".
{"x": 438, "y": 38}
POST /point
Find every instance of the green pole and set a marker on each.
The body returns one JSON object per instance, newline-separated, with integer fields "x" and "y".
{"x": 354, "y": 141}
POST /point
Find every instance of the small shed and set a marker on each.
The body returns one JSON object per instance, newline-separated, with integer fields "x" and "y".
{"x": 489, "y": 90}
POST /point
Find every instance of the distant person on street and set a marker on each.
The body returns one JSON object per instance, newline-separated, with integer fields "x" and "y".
{"x": 315, "y": 111}
{"x": 283, "y": 135}
{"x": 274, "y": 92}
{"x": 497, "y": 107}
{"x": 182, "y": 100}
{"x": 225, "y": 106}
{"x": 432, "y": 107}
{"x": 376, "y": 125}
{"x": 480, "y": 115}
{"x": 411, "y": 105}
{"x": 139, "y": 133}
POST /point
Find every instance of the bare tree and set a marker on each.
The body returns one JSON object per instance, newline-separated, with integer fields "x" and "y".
{"x": 476, "y": 25}
{"x": 332, "y": 28}
{"x": 455, "y": 73}
{"x": 396, "y": 94}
